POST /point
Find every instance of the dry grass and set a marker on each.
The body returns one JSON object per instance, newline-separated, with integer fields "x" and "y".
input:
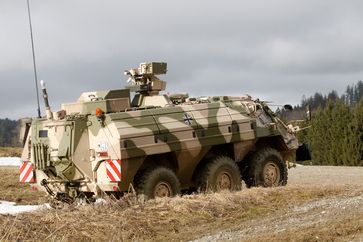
{"x": 177, "y": 219}
{"x": 188, "y": 217}
{"x": 10, "y": 151}
{"x": 13, "y": 191}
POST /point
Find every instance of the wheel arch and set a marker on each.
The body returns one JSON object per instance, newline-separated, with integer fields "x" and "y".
{"x": 275, "y": 142}
{"x": 167, "y": 160}
{"x": 214, "y": 151}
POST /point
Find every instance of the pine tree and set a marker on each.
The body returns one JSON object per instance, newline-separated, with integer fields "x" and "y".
{"x": 341, "y": 137}
{"x": 333, "y": 136}
{"x": 317, "y": 138}
{"x": 357, "y": 131}
{"x": 8, "y": 132}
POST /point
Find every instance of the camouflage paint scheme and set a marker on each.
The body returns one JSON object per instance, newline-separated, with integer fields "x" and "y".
{"x": 70, "y": 148}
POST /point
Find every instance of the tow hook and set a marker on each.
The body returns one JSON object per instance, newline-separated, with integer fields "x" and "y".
{"x": 45, "y": 183}
{"x": 61, "y": 197}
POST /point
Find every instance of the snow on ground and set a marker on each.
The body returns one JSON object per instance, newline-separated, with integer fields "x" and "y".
{"x": 10, "y": 161}
{"x": 12, "y": 208}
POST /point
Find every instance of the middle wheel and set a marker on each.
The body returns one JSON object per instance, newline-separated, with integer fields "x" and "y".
{"x": 222, "y": 173}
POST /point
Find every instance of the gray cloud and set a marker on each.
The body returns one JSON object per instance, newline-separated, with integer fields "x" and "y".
{"x": 277, "y": 50}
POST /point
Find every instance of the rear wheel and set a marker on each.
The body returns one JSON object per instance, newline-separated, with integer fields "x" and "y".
{"x": 158, "y": 182}
{"x": 266, "y": 168}
{"x": 222, "y": 173}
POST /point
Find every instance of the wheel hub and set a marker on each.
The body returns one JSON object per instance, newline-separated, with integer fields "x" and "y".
{"x": 271, "y": 174}
{"x": 163, "y": 189}
{"x": 224, "y": 181}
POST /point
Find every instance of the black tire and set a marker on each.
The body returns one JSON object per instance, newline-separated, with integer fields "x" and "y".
{"x": 157, "y": 182}
{"x": 219, "y": 174}
{"x": 266, "y": 168}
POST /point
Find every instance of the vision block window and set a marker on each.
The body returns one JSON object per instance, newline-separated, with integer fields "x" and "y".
{"x": 43, "y": 133}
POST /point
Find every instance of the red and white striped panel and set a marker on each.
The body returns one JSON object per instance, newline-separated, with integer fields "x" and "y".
{"x": 113, "y": 168}
{"x": 27, "y": 173}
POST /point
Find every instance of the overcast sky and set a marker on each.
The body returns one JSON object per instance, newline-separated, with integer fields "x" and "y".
{"x": 273, "y": 50}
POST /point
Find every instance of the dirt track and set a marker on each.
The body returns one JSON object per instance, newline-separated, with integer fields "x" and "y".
{"x": 337, "y": 218}
{"x": 326, "y": 175}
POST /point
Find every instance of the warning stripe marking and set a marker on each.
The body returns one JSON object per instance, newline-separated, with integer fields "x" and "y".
{"x": 113, "y": 168}
{"x": 110, "y": 176}
{"x": 26, "y": 173}
{"x": 23, "y": 166}
{"x": 116, "y": 167}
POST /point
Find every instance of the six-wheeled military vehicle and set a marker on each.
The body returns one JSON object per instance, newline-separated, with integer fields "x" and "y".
{"x": 110, "y": 141}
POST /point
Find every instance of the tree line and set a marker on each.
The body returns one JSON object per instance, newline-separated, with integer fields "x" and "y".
{"x": 9, "y": 132}
{"x": 336, "y": 133}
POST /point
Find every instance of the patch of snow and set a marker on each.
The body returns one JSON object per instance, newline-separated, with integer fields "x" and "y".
{"x": 100, "y": 201}
{"x": 10, "y": 161}
{"x": 12, "y": 208}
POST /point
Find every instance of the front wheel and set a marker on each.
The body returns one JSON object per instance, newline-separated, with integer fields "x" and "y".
{"x": 266, "y": 168}
{"x": 158, "y": 182}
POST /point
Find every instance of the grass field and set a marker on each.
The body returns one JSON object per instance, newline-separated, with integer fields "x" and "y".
{"x": 10, "y": 151}
{"x": 13, "y": 191}
{"x": 291, "y": 213}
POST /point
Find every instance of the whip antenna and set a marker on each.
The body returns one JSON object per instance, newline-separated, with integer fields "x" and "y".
{"x": 34, "y": 65}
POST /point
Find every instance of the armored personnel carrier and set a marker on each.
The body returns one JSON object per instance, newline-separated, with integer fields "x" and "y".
{"x": 107, "y": 142}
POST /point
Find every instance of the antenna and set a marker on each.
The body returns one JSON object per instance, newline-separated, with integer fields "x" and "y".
{"x": 34, "y": 65}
